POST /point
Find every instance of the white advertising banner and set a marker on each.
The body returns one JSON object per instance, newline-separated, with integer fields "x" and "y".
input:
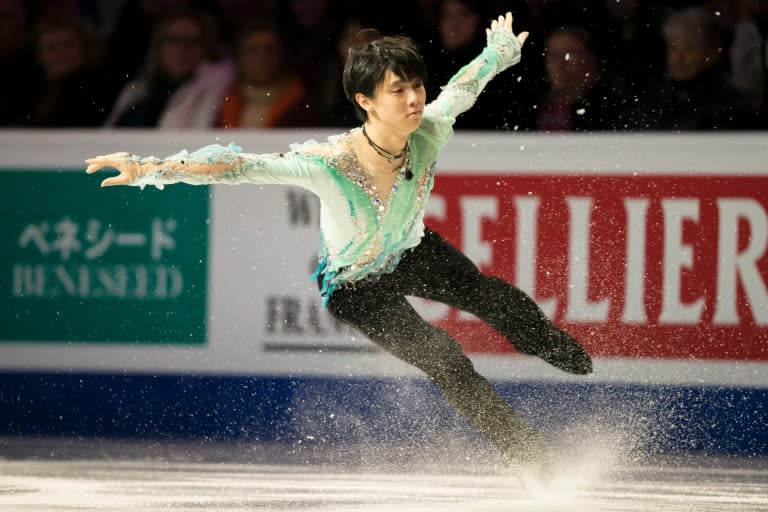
{"x": 652, "y": 249}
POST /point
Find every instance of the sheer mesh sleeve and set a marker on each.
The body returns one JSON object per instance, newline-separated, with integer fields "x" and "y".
{"x": 502, "y": 51}
{"x": 225, "y": 164}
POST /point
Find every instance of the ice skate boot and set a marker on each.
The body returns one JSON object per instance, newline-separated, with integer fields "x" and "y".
{"x": 559, "y": 349}
{"x": 529, "y": 460}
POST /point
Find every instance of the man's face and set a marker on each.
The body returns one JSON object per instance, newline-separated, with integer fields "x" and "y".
{"x": 688, "y": 55}
{"x": 261, "y": 58}
{"x": 569, "y": 62}
{"x": 458, "y": 25}
{"x": 183, "y": 48}
{"x": 60, "y": 52}
{"x": 398, "y": 103}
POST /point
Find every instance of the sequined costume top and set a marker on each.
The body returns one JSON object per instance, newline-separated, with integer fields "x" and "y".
{"x": 362, "y": 236}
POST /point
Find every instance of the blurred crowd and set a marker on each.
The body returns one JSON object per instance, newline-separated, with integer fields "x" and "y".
{"x": 589, "y": 65}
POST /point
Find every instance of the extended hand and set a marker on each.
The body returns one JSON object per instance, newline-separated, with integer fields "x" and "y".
{"x": 505, "y": 23}
{"x": 127, "y": 164}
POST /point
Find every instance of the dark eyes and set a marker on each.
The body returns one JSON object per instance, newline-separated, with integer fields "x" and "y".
{"x": 416, "y": 85}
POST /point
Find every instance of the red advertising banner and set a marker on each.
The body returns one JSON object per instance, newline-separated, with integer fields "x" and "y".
{"x": 672, "y": 267}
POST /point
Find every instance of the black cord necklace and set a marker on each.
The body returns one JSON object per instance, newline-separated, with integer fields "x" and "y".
{"x": 388, "y": 155}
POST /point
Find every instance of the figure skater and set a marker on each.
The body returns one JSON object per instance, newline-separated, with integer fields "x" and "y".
{"x": 373, "y": 183}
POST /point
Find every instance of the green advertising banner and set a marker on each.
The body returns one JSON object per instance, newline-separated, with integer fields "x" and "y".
{"x": 79, "y": 263}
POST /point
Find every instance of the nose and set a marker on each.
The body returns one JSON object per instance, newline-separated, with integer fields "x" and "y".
{"x": 414, "y": 98}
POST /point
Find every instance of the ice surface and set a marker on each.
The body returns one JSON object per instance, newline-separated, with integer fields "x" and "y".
{"x": 163, "y": 477}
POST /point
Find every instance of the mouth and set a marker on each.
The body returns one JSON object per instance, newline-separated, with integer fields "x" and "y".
{"x": 415, "y": 113}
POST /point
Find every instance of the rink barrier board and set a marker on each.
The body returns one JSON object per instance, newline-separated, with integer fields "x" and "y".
{"x": 125, "y": 271}
{"x": 651, "y": 419}
{"x": 260, "y": 334}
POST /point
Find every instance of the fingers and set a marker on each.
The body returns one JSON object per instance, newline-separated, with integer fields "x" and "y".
{"x": 92, "y": 168}
{"x": 115, "y": 161}
{"x": 99, "y": 162}
{"x": 522, "y": 36}
{"x": 504, "y": 21}
{"x": 115, "y": 180}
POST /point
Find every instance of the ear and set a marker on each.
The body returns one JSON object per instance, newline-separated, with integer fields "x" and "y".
{"x": 364, "y": 101}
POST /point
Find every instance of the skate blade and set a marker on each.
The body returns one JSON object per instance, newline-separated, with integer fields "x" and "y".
{"x": 534, "y": 482}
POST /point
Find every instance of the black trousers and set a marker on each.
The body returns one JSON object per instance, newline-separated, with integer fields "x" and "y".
{"x": 436, "y": 270}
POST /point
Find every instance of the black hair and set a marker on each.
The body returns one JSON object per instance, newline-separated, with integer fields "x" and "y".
{"x": 371, "y": 56}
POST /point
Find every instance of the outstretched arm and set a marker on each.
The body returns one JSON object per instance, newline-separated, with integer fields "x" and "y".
{"x": 208, "y": 165}
{"x": 502, "y": 51}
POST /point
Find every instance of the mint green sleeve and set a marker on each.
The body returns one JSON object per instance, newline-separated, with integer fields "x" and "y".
{"x": 502, "y": 51}
{"x": 228, "y": 165}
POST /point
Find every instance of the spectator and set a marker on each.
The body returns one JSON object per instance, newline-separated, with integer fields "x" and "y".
{"x": 631, "y": 46}
{"x": 311, "y": 29}
{"x": 17, "y": 57}
{"x": 183, "y": 80}
{"x": 626, "y": 35}
{"x": 265, "y": 94}
{"x": 746, "y": 19}
{"x": 696, "y": 93}
{"x": 339, "y": 111}
{"x": 126, "y": 28}
{"x": 461, "y": 37}
{"x": 546, "y": 16}
{"x": 577, "y": 99}
{"x": 73, "y": 94}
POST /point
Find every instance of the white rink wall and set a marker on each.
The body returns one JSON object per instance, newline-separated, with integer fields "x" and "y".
{"x": 213, "y": 281}
{"x": 263, "y": 314}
